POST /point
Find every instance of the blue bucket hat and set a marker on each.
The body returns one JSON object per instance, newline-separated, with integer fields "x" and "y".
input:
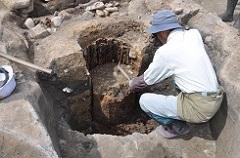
{"x": 163, "y": 20}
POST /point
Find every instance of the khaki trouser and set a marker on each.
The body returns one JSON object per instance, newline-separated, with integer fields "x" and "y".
{"x": 196, "y": 108}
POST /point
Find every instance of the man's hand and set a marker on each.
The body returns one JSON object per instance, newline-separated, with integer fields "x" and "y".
{"x": 137, "y": 84}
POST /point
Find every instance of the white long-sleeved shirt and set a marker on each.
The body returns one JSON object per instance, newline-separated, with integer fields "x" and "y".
{"x": 183, "y": 57}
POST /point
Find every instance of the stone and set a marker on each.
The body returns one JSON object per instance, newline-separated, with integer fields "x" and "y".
{"x": 115, "y": 14}
{"x": 24, "y": 133}
{"x": 106, "y": 12}
{"x": 112, "y": 4}
{"x": 95, "y": 6}
{"x": 87, "y": 15}
{"x": 112, "y": 9}
{"x": 100, "y": 13}
{"x": 70, "y": 10}
{"x": 116, "y": 4}
{"x": 65, "y": 15}
{"x": 108, "y": 5}
{"x": 55, "y": 13}
{"x": 57, "y": 20}
{"x": 49, "y": 30}
{"x": 16, "y": 44}
{"x": 155, "y": 146}
{"x": 29, "y": 23}
{"x": 38, "y": 32}
{"x": 178, "y": 11}
{"x": 133, "y": 54}
{"x": 208, "y": 39}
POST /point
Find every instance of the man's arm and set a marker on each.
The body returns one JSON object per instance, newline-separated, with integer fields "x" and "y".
{"x": 157, "y": 71}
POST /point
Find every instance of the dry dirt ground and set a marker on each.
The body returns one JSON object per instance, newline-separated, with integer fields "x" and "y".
{"x": 97, "y": 116}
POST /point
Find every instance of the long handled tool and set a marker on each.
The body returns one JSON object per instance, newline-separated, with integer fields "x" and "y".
{"x": 73, "y": 87}
{"x": 28, "y": 64}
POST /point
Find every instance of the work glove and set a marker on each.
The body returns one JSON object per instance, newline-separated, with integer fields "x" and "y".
{"x": 137, "y": 84}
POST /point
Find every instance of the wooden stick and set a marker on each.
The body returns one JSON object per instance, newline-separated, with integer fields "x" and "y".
{"x": 123, "y": 72}
{"x": 22, "y": 62}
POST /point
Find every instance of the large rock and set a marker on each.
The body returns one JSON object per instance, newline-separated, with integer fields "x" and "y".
{"x": 22, "y": 131}
{"x": 155, "y": 146}
{"x": 39, "y": 31}
{"x": 17, "y": 4}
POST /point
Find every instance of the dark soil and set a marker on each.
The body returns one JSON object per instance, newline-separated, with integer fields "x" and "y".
{"x": 138, "y": 123}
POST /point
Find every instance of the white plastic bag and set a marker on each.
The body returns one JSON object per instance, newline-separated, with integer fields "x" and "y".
{"x": 10, "y": 85}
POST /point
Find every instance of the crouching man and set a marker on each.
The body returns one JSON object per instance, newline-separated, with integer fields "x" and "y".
{"x": 183, "y": 57}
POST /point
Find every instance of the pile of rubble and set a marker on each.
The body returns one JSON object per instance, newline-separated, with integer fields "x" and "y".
{"x": 40, "y": 28}
{"x": 103, "y": 10}
{"x": 43, "y": 27}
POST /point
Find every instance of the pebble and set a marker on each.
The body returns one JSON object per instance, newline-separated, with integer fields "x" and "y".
{"x": 106, "y": 12}
{"x": 115, "y": 4}
{"x": 88, "y": 15}
{"x": 66, "y": 70}
{"x": 112, "y": 9}
{"x": 100, "y": 13}
{"x": 178, "y": 11}
{"x": 55, "y": 13}
{"x": 65, "y": 15}
{"x": 38, "y": 32}
{"x": 70, "y": 10}
{"x": 115, "y": 14}
{"x": 54, "y": 29}
{"x": 49, "y": 30}
{"x": 96, "y": 6}
{"x": 57, "y": 21}
{"x": 208, "y": 39}
{"x": 187, "y": 27}
{"x": 67, "y": 90}
{"x": 29, "y": 23}
{"x": 108, "y": 5}
{"x": 133, "y": 54}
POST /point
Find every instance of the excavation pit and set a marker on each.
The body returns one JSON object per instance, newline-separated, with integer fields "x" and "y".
{"x": 112, "y": 101}
{"x": 104, "y": 104}
{"x": 115, "y": 108}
